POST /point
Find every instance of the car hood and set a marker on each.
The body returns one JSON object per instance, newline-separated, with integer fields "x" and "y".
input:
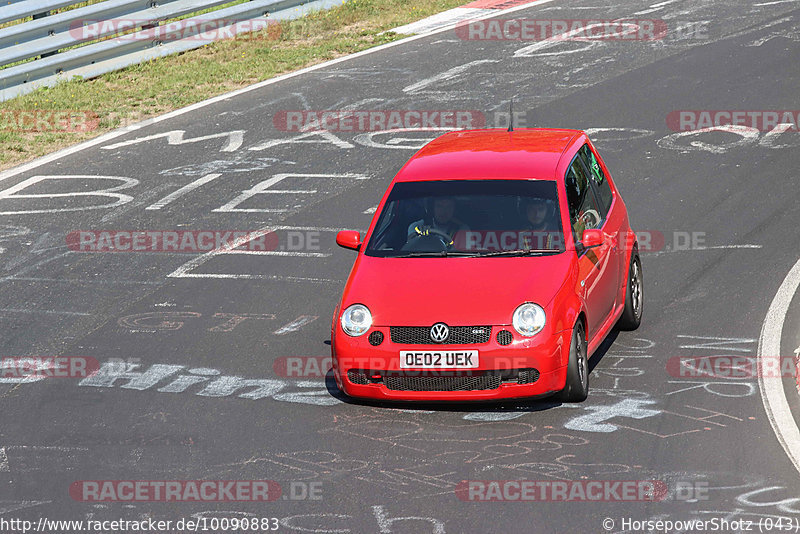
{"x": 466, "y": 291}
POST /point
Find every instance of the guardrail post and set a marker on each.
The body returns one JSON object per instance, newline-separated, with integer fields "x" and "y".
{"x": 41, "y": 16}
{"x": 153, "y": 24}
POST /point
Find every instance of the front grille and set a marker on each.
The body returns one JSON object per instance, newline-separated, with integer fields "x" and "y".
{"x": 357, "y": 377}
{"x": 442, "y": 383}
{"x": 459, "y": 335}
{"x": 375, "y": 338}
{"x": 504, "y": 337}
{"x": 442, "y": 380}
{"x": 528, "y": 376}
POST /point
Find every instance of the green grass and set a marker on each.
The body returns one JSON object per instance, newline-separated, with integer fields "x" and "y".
{"x": 165, "y": 84}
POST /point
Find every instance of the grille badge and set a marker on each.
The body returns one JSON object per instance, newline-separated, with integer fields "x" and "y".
{"x": 440, "y": 332}
{"x": 421, "y": 335}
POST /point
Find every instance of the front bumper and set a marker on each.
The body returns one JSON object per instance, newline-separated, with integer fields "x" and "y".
{"x": 355, "y": 357}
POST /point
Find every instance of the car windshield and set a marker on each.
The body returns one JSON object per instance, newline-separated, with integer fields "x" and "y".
{"x": 474, "y": 218}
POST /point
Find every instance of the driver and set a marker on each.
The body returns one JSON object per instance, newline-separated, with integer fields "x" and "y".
{"x": 443, "y": 221}
{"x": 541, "y": 230}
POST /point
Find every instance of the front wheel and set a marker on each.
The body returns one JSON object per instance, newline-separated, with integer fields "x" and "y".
{"x": 634, "y": 296}
{"x": 577, "y": 387}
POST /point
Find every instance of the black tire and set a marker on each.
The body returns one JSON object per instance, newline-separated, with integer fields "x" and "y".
{"x": 577, "y": 387}
{"x": 631, "y": 316}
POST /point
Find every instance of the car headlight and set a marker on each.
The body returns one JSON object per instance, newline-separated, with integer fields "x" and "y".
{"x": 529, "y": 319}
{"x": 356, "y": 320}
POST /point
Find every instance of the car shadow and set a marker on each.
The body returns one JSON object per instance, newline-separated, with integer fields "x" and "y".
{"x": 501, "y": 406}
{"x": 602, "y": 350}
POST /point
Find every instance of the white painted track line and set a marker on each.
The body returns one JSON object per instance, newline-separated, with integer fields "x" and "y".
{"x": 445, "y": 18}
{"x": 772, "y": 391}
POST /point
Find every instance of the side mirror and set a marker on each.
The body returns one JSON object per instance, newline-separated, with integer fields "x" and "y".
{"x": 349, "y": 239}
{"x": 592, "y": 238}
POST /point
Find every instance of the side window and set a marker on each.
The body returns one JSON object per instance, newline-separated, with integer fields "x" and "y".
{"x": 602, "y": 187}
{"x": 584, "y": 212}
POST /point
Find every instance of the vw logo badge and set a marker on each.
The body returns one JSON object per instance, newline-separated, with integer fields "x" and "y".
{"x": 439, "y": 332}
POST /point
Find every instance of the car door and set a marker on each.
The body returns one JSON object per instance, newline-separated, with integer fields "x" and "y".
{"x": 614, "y": 215}
{"x": 598, "y": 267}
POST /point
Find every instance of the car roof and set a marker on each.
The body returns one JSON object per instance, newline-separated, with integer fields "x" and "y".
{"x": 525, "y": 154}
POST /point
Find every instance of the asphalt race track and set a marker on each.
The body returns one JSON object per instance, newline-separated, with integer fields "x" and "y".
{"x": 720, "y": 209}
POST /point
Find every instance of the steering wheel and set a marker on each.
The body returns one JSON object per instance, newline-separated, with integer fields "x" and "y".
{"x": 588, "y": 223}
{"x": 426, "y": 235}
{"x": 446, "y": 239}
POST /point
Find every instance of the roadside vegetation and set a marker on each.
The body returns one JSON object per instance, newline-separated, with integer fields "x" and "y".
{"x": 155, "y": 87}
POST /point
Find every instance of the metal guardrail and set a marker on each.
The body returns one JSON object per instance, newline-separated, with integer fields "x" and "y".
{"x": 55, "y": 32}
{"x": 56, "y": 45}
{"x": 21, "y": 9}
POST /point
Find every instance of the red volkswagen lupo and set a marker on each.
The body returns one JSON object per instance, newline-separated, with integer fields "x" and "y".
{"x": 495, "y": 265}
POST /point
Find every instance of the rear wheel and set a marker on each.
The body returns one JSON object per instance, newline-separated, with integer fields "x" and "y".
{"x": 634, "y": 296}
{"x": 577, "y": 387}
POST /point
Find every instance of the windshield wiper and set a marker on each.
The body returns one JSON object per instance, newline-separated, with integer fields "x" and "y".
{"x": 518, "y": 252}
{"x": 438, "y": 254}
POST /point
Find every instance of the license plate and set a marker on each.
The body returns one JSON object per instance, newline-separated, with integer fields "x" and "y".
{"x": 438, "y": 359}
